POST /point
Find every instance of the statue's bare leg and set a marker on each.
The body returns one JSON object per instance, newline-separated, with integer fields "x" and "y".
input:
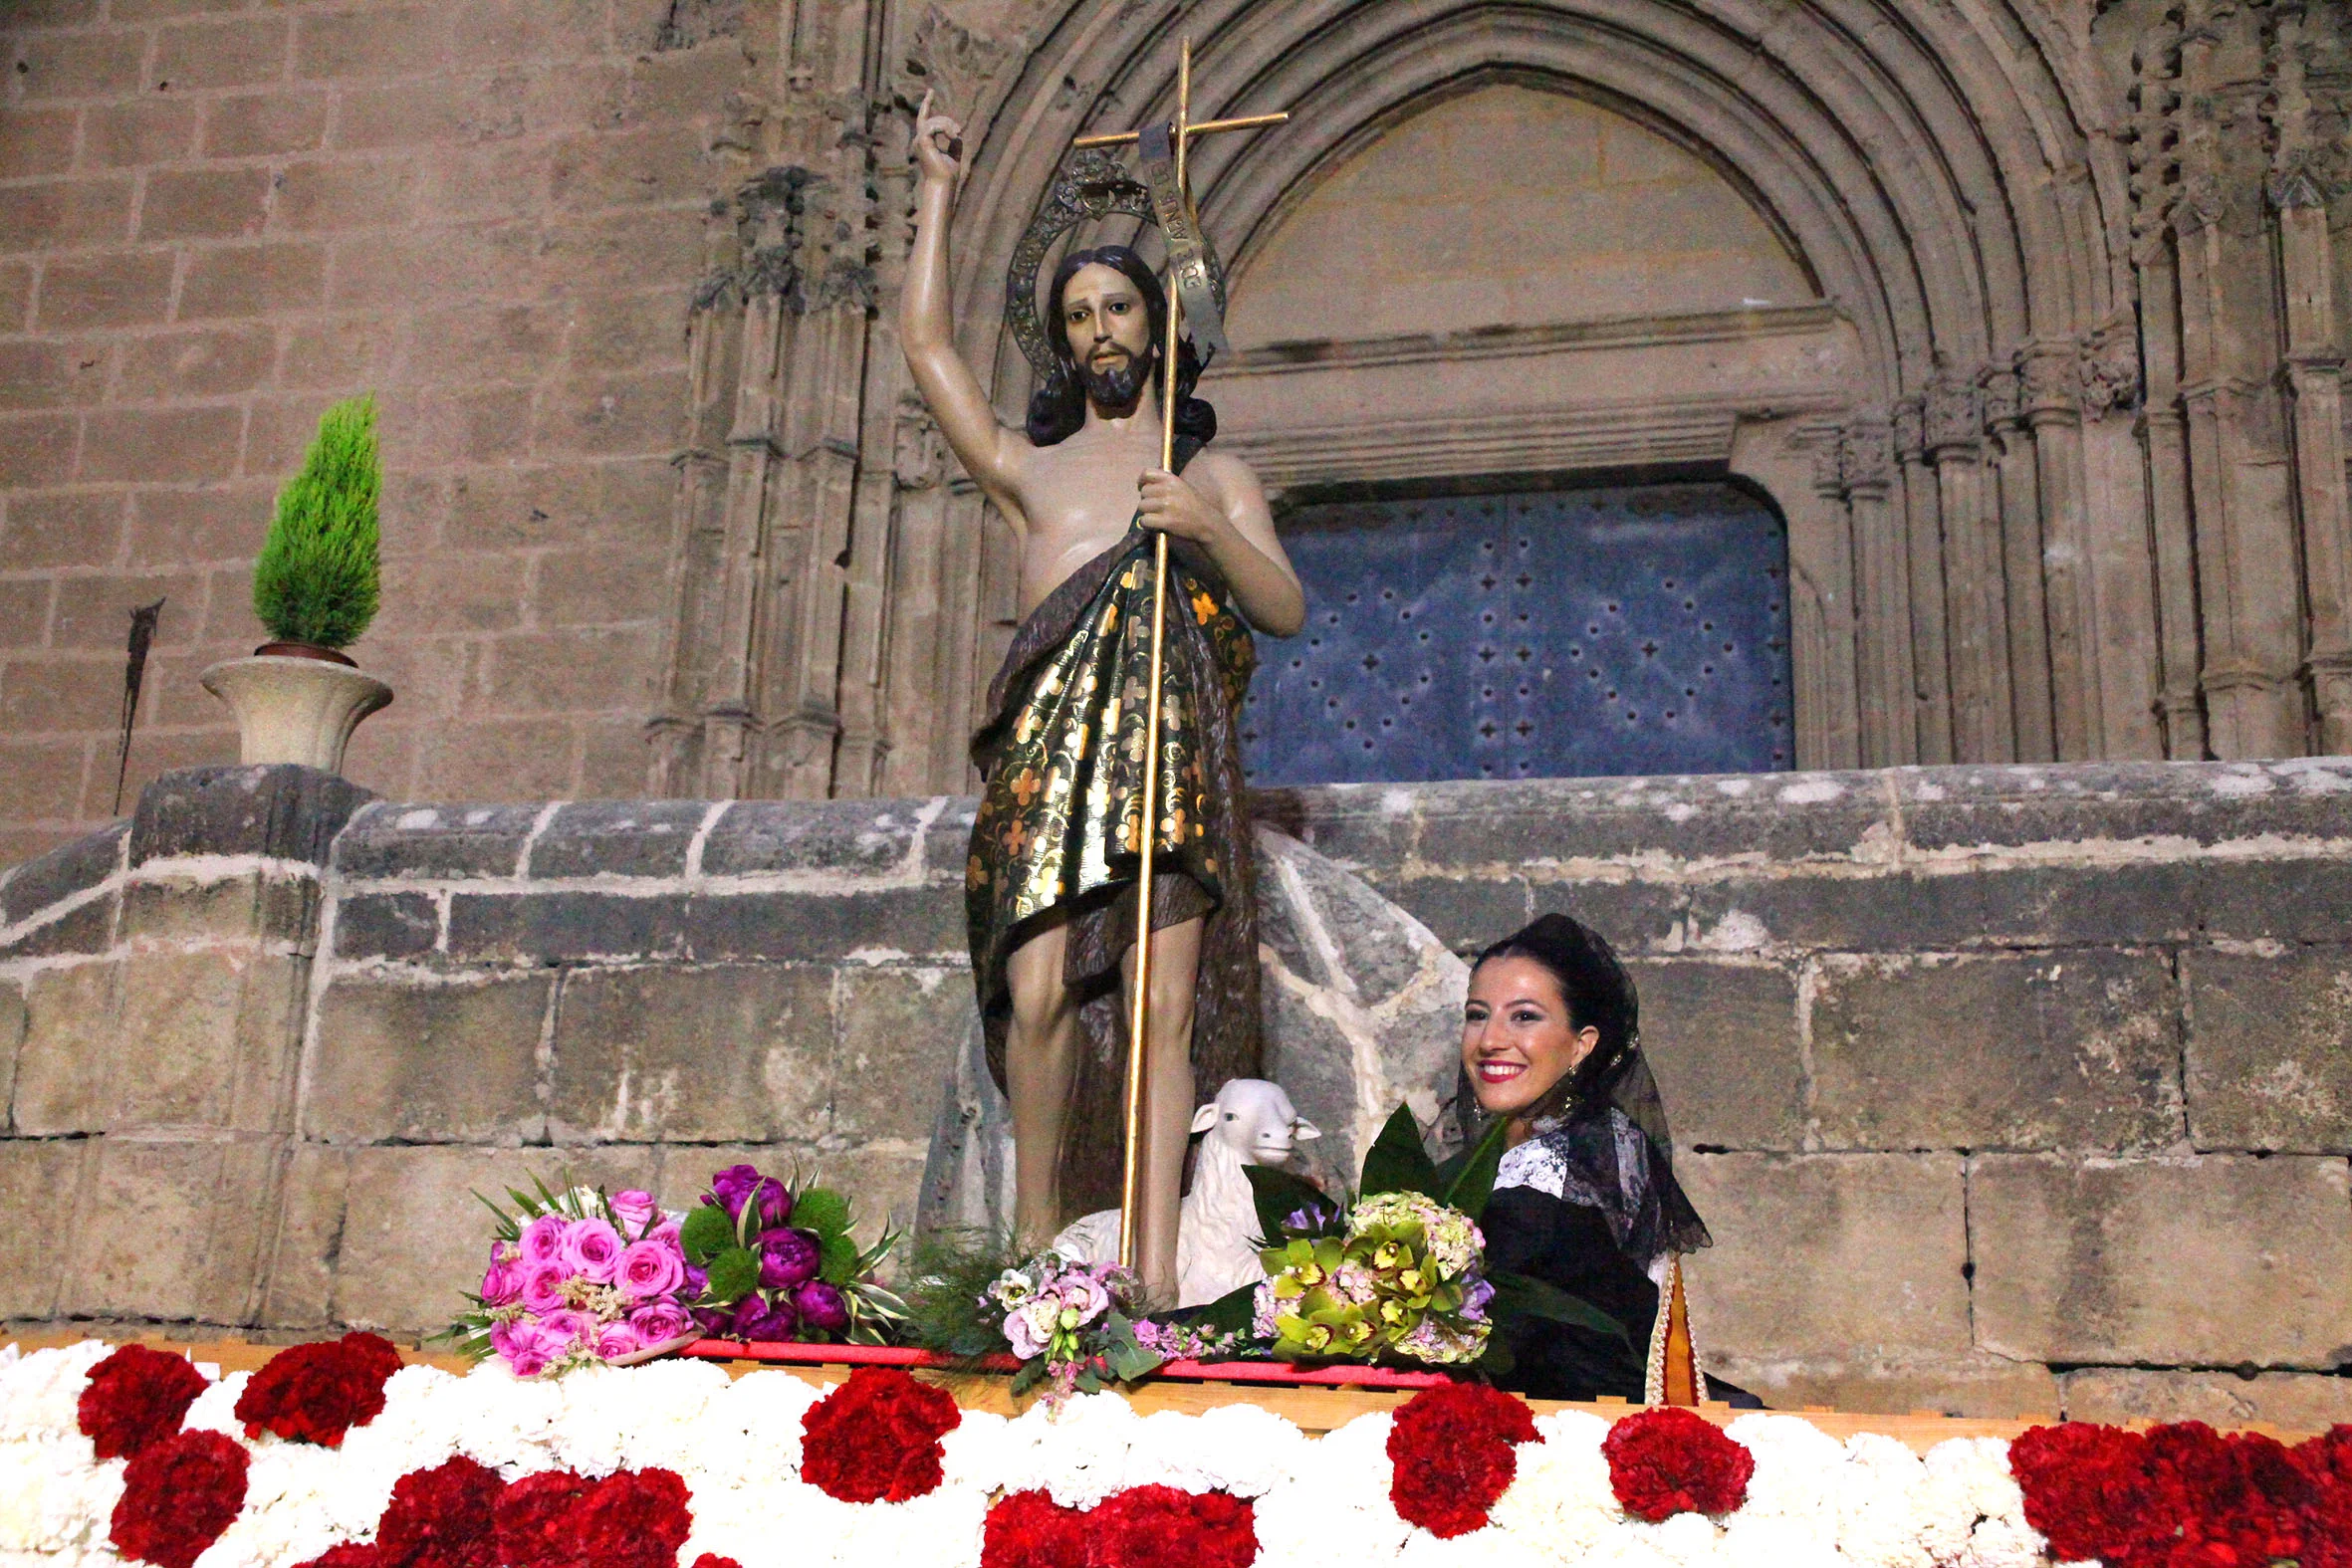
{"x": 1168, "y": 1103}
{"x": 1040, "y": 1065}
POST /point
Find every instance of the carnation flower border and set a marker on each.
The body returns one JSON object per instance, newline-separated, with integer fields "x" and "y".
{"x": 730, "y": 1440}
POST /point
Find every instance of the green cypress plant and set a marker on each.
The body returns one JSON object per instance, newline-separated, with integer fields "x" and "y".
{"x": 317, "y": 579}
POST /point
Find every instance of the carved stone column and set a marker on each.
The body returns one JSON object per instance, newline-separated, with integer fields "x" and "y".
{"x": 1983, "y": 729}
{"x": 919, "y": 672}
{"x": 2239, "y": 464}
{"x": 2312, "y": 70}
{"x": 2014, "y": 468}
{"x": 2048, "y": 383}
{"x": 1882, "y": 595}
{"x": 1931, "y": 670}
{"x": 2152, "y": 140}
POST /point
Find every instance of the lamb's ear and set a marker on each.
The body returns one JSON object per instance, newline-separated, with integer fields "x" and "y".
{"x": 1205, "y": 1118}
{"x": 1303, "y": 1128}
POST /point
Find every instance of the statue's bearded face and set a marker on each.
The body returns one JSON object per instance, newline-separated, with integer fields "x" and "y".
{"x": 1109, "y": 332}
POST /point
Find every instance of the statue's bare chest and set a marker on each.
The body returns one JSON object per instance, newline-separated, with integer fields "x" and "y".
{"x": 1077, "y": 498}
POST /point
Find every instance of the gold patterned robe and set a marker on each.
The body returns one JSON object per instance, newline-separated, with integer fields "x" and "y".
{"x": 1058, "y": 839}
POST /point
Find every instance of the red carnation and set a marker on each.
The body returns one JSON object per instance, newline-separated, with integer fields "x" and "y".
{"x": 532, "y": 1518}
{"x": 136, "y": 1397}
{"x": 1451, "y": 1455}
{"x": 1028, "y": 1529}
{"x": 1162, "y": 1527}
{"x": 2092, "y": 1491}
{"x": 351, "y": 1554}
{"x": 714, "y": 1560}
{"x": 1668, "y": 1461}
{"x": 2327, "y": 1514}
{"x": 875, "y": 1438}
{"x": 177, "y": 1496}
{"x": 443, "y": 1517}
{"x": 318, "y": 1392}
{"x": 632, "y": 1519}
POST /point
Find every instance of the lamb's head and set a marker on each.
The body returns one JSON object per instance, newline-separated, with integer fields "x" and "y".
{"x": 1256, "y": 1120}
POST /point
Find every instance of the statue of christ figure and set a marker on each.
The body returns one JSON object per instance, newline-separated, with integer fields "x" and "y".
{"x": 1051, "y": 882}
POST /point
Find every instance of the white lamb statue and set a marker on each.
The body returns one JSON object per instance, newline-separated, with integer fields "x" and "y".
{"x": 1251, "y": 1122}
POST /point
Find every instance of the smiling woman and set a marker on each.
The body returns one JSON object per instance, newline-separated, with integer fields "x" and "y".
{"x": 1586, "y": 1199}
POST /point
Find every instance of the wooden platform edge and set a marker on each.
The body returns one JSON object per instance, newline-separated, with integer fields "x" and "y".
{"x": 1312, "y": 1409}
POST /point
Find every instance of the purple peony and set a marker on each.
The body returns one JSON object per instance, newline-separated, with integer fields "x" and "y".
{"x": 717, "y": 1322}
{"x": 633, "y": 1209}
{"x": 821, "y": 1307}
{"x": 593, "y": 1248}
{"x": 733, "y": 1185}
{"x": 786, "y": 1258}
{"x": 648, "y": 1269}
{"x": 756, "y": 1319}
{"x": 661, "y": 1322}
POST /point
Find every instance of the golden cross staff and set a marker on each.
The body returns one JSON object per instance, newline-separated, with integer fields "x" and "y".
{"x": 1188, "y": 277}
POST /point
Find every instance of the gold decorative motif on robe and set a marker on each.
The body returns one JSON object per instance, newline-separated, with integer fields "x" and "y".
{"x": 1059, "y": 835}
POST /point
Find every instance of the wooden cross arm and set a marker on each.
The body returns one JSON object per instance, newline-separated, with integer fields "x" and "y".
{"x": 1246, "y": 122}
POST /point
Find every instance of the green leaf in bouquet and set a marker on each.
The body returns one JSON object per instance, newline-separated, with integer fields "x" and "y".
{"x": 1031, "y": 1373}
{"x": 1521, "y": 1295}
{"x": 705, "y": 1235}
{"x": 1474, "y": 1182}
{"x": 1279, "y": 1194}
{"x": 822, "y": 1210}
{"x": 1127, "y": 1359}
{"x": 836, "y": 1259}
{"x": 1397, "y": 1162}
{"x": 733, "y": 1274}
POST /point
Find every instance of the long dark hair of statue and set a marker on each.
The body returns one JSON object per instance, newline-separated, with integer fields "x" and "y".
{"x": 1059, "y": 409}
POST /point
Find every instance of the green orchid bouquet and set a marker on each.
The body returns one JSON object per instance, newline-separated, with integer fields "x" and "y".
{"x": 1395, "y": 1273}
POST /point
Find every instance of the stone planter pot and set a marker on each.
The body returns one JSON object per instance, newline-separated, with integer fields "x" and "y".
{"x": 301, "y": 709}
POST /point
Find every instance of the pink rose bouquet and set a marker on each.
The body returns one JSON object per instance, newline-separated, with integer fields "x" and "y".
{"x": 579, "y": 1276}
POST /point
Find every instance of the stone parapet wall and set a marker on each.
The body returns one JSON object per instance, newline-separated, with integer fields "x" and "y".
{"x": 2002, "y": 1089}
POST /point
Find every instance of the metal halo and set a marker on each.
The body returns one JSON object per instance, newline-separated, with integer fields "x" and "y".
{"x": 1092, "y": 184}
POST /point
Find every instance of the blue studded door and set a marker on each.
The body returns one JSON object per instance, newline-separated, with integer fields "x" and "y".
{"x": 1561, "y": 634}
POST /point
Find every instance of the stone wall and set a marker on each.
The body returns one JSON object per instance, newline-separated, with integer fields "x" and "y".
{"x": 215, "y": 219}
{"x": 2002, "y": 1089}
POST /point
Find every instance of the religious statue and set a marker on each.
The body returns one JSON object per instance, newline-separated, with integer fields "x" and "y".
{"x": 1107, "y": 472}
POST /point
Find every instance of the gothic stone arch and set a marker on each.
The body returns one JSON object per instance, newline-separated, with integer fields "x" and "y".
{"x": 2003, "y": 554}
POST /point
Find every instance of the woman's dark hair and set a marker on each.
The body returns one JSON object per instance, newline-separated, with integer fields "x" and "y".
{"x": 1057, "y": 408}
{"x": 1598, "y": 993}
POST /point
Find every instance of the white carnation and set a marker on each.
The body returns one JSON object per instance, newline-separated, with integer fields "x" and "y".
{"x": 1487, "y": 1548}
{"x": 1237, "y": 1449}
{"x": 1882, "y": 1504}
{"x": 664, "y": 1429}
{"x": 751, "y": 1429}
{"x": 1298, "y": 1527}
{"x": 500, "y": 1419}
{"x": 54, "y": 1496}
{"x": 1078, "y": 1453}
{"x": 971, "y": 1458}
{"x": 40, "y": 1394}
{"x": 1559, "y": 1501}
{"x": 2000, "y": 1543}
{"x": 215, "y": 1409}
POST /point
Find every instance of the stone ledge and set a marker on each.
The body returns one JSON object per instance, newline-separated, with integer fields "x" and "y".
{"x": 279, "y": 812}
{"x": 60, "y": 875}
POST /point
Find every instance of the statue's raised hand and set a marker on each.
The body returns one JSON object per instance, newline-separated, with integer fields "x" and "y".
{"x": 938, "y": 144}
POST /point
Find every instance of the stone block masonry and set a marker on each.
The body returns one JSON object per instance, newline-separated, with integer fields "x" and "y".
{"x": 214, "y": 220}
{"x": 2003, "y": 1090}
